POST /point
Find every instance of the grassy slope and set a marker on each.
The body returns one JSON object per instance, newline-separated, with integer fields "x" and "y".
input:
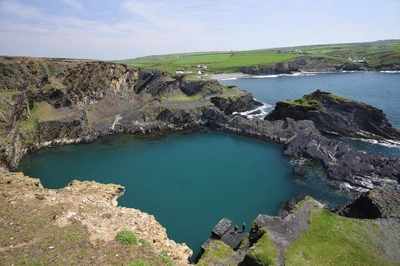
{"x": 336, "y": 240}
{"x": 380, "y": 53}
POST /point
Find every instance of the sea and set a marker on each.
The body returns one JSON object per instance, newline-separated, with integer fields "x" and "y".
{"x": 191, "y": 180}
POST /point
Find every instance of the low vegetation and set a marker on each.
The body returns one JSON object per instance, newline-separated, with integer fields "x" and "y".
{"x": 336, "y": 240}
{"x": 126, "y": 237}
{"x": 264, "y": 252}
{"x": 314, "y": 100}
{"x": 217, "y": 253}
{"x": 185, "y": 98}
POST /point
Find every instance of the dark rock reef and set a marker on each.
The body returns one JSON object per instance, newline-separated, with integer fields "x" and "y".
{"x": 336, "y": 115}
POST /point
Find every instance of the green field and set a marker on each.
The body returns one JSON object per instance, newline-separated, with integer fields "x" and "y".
{"x": 378, "y": 54}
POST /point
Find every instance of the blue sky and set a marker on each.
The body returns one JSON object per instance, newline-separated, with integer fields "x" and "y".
{"x": 107, "y": 29}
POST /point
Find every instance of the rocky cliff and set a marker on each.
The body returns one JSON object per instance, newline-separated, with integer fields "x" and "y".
{"x": 304, "y": 63}
{"x": 336, "y": 115}
{"x": 47, "y": 102}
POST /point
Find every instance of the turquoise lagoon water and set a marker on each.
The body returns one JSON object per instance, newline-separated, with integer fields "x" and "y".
{"x": 191, "y": 180}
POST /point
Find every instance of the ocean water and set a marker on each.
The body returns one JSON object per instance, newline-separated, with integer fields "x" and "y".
{"x": 191, "y": 180}
{"x": 379, "y": 89}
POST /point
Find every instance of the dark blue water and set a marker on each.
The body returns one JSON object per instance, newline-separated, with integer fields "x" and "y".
{"x": 191, "y": 180}
{"x": 381, "y": 90}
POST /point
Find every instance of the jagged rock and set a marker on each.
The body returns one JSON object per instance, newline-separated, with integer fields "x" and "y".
{"x": 356, "y": 170}
{"x": 230, "y": 104}
{"x": 298, "y": 170}
{"x": 377, "y": 203}
{"x": 332, "y": 114}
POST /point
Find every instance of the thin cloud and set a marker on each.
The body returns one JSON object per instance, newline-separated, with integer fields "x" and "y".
{"x": 75, "y": 4}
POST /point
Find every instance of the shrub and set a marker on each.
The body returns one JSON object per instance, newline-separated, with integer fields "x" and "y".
{"x": 126, "y": 237}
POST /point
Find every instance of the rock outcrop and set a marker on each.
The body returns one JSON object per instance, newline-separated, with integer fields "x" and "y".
{"x": 89, "y": 204}
{"x": 377, "y": 203}
{"x": 332, "y": 114}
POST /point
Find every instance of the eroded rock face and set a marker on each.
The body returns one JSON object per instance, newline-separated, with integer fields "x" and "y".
{"x": 47, "y": 102}
{"x": 377, "y": 203}
{"x": 336, "y": 115}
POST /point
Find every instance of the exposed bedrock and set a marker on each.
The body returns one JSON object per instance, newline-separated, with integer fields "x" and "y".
{"x": 235, "y": 104}
{"x": 377, "y": 203}
{"x": 348, "y": 167}
{"x": 336, "y": 115}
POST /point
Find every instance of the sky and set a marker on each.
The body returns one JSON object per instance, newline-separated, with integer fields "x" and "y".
{"x": 124, "y": 29}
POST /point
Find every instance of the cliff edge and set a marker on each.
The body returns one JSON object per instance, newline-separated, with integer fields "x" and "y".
{"x": 77, "y": 225}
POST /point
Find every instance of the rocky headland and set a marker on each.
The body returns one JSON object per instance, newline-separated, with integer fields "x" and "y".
{"x": 49, "y": 102}
{"x": 312, "y": 64}
{"x": 336, "y": 115}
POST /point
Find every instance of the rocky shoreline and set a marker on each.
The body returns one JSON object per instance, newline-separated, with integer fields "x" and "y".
{"x": 51, "y": 102}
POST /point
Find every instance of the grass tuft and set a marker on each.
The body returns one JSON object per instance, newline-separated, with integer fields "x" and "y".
{"x": 126, "y": 237}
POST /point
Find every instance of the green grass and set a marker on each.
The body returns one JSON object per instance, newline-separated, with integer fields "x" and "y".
{"x": 378, "y": 54}
{"x": 336, "y": 240}
{"x": 264, "y": 251}
{"x": 202, "y": 59}
{"x": 185, "y": 98}
{"x": 126, "y": 237}
{"x": 313, "y": 100}
{"x": 217, "y": 253}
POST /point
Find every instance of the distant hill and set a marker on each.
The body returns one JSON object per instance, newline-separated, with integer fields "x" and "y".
{"x": 374, "y": 56}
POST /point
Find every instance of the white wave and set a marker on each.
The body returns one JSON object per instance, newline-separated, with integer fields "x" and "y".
{"x": 262, "y": 77}
{"x": 251, "y": 116}
{"x": 387, "y": 142}
{"x": 390, "y": 72}
{"x": 228, "y": 79}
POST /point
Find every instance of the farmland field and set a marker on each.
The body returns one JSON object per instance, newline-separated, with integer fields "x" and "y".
{"x": 377, "y": 55}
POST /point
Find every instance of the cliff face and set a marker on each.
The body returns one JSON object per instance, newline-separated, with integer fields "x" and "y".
{"x": 332, "y": 114}
{"x": 47, "y": 102}
{"x": 305, "y": 63}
